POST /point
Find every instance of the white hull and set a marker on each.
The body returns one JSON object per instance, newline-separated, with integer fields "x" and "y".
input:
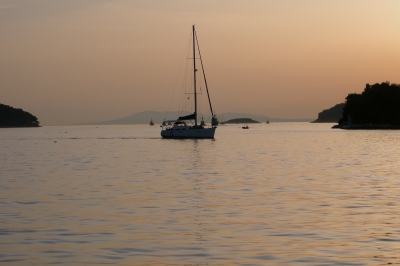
{"x": 188, "y": 133}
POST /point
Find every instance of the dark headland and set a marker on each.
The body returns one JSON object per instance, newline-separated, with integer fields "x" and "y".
{"x": 331, "y": 115}
{"x": 240, "y": 121}
{"x": 377, "y": 107}
{"x": 13, "y": 117}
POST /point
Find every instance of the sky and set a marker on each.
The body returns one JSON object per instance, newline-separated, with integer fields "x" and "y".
{"x": 78, "y": 61}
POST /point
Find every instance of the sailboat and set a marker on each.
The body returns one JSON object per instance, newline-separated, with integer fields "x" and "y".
{"x": 151, "y": 122}
{"x": 179, "y": 129}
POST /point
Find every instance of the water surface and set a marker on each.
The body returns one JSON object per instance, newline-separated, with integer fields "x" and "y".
{"x": 282, "y": 193}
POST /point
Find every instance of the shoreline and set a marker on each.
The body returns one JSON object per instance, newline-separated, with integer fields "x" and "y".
{"x": 367, "y": 127}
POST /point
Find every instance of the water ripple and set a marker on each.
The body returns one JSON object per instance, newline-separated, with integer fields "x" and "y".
{"x": 280, "y": 194}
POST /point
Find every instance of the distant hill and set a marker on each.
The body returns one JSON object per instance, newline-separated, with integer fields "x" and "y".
{"x": 158, "y": 118}
{"x": 13, "y": 117}
{"x": 143, "y": 118}
{"x": 262, "y": 118}
{"x": 240, "y": 121}
{"x": 331, "y": 115}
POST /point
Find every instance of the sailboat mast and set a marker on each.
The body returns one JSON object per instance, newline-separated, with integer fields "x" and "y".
{"x": 194, "y": 78}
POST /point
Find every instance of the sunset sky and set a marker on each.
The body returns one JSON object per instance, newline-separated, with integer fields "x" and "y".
{"x": 78, "y": 61}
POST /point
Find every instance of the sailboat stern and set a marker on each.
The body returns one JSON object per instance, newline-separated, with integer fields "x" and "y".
{"x": 214, "y": 121}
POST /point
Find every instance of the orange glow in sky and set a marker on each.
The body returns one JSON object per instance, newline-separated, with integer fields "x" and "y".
{"x": 81, "y": 61}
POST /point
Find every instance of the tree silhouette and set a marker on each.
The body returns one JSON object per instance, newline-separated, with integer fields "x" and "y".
{"x": 378, "y": 104}
{"x": 12, "y": 117}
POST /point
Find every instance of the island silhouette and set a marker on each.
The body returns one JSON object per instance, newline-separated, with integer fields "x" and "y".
{"x": 377, "y": 107}
{"x": 13, "y": 117}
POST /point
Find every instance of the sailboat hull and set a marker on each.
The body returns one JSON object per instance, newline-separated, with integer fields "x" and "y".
{"x": 188, "y": 133}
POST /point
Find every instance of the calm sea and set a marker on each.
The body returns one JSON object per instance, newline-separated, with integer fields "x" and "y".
{"x": 277, "y": 194}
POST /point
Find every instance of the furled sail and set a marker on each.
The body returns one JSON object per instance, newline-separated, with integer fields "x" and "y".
{"x": 187, "y": 117}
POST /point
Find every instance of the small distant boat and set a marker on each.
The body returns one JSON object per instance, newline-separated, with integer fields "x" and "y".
{"x": 151, "y": 122}
{"x": 267, "y": 121}
{"x": 245, "y": 127}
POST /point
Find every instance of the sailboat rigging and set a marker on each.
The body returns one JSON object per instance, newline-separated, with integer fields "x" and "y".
{"x": 179, "y": 128}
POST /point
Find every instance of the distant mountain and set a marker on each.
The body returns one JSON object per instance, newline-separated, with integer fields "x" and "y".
{"x": 158, "y": 118}
{"x": 13, "y": 117}
{"x": 143, "y": 118}
{"x": 262, "y": 118}
{"x": 331, "y": 115}
{"x": 241, "y": 121}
